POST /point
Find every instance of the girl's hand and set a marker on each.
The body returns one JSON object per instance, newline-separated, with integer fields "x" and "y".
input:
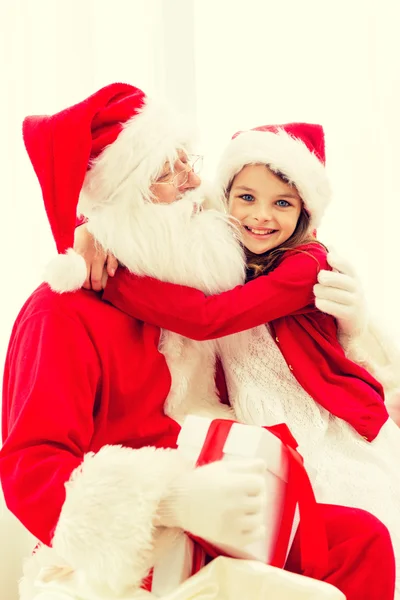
{"x": 99, "y": 264}
{"x": 339, "y": 293}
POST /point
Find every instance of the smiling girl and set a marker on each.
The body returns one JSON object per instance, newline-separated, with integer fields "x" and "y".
{"x": 289, "y": 367}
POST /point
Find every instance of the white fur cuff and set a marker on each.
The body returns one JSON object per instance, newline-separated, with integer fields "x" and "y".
{"x": 106, "y": 527}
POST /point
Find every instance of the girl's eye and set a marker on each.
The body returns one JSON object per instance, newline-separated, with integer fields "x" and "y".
{"x": 247, "y": 197}
{"x": 282, "y": 203}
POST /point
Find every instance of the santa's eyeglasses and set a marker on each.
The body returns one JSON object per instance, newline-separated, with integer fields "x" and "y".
{"x": 193, "y": 165}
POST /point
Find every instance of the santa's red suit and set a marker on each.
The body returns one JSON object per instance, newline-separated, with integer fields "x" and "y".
{"x": 86, "y": 456}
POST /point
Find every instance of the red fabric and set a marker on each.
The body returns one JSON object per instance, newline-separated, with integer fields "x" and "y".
{"x": 284, "y": 298}
{"x": 220, "y": 383}
{"x": 311, "y": 135}
{"x": 299, "y": 492}
{"x": 61, "y": 147}
{"x": 361, "y": 560}
{"x": 76, "y": 376}
{"x": 80, "y": 221}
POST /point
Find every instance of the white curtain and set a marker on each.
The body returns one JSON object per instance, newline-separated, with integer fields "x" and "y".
{"x": 330, "y": 62}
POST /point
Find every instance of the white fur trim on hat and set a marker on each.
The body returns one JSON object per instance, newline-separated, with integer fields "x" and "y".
{"x": 66, "y": 272}
{"x": 283, "y": 154}
{"x": 127, "y": 167}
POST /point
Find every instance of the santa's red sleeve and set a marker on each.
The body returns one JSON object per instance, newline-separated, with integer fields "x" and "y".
{"x": 285, "y": 291}
{"x": 96, "y": 509}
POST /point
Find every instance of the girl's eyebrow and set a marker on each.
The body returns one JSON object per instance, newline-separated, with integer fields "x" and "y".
{"x": 289, "y": 195}
{"x": 244, "y": 187}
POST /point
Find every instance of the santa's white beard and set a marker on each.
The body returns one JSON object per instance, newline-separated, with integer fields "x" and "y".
{"x": 180, "y": 244}
{"x": 173, "y": 242}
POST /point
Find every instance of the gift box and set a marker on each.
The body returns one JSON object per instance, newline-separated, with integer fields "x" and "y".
{"x": 289, "y": 499}
{"x": 247, "y": 441}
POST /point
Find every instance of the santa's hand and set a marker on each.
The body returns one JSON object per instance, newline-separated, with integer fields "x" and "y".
{"x": 223, "y": 502}
{"x": 339, "y": 293}
{"x": 99, "y": 264}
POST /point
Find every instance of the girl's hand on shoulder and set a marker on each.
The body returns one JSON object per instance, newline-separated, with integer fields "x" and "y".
{"x": 99, "y": 263}
{"x": 339, "y": 293}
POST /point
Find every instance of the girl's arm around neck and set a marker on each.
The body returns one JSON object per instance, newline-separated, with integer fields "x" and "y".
{"x": 189, "y": 312}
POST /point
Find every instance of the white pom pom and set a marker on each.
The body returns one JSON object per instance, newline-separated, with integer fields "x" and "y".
{"x": 66, "y": 272}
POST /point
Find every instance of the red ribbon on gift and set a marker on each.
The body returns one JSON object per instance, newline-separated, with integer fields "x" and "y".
{"x": 313, "y": 540}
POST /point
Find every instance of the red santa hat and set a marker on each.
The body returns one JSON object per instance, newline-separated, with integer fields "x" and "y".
{"x": 102, "y": 152}
{"x": 295, "y": 150}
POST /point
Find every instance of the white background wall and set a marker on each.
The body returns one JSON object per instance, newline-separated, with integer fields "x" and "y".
{"x": 231, "y": 65}
{"x": 336, "y": 63}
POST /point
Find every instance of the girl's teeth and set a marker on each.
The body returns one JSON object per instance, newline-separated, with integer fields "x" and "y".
{"x": 260, "y": 231}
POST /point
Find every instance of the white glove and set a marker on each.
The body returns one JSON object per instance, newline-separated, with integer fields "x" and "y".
{"x": 339, "y": 293}
{"x": 223, "y": 502}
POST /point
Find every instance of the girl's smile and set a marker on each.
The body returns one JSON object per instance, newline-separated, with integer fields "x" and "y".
{"x": 260, "y": 233}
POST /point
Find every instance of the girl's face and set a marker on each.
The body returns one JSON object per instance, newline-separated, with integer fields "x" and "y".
{"x": 266, "y": 207}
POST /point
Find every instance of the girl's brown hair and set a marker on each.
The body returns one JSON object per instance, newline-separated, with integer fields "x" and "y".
{"x": 262, "y": 264}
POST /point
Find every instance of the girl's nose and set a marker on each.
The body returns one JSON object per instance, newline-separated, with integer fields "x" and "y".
{"x": 263, "y": 214}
